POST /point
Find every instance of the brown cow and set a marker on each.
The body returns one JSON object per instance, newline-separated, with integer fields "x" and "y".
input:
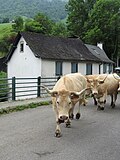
{"x": 68, "y": 90}
{"x": 103, "y": 85}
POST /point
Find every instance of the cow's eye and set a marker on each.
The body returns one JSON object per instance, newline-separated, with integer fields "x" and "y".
{"x": 57, "y": 102}
{"x": 69, "y": 102}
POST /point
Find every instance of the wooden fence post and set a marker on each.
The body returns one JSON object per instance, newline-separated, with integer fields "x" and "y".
{"x": 13, "y": 89}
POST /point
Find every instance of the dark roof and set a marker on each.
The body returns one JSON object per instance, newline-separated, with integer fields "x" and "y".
{"x": 99, "y": 53}
{"x": 3, "y": 66}
{"x": 57, "y": 48}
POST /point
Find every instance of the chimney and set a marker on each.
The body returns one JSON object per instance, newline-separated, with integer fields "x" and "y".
{"x": 100, "y": 45}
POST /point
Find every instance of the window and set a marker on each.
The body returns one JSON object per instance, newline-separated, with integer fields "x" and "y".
{"x": 74, "y": 67}
{"x": 88, "y": 68}
{"x": 58, "y": 68}
{"x": 22, "y": 46}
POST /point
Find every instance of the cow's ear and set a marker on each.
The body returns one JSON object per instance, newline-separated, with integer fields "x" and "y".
{"x": 74, "y": 96}
{"x": 101, "y": 81}
{"x": 54, "y": 93}
{"x": 89, "y": 80}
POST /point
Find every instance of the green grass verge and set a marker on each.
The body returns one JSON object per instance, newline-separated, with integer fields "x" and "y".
{"x": 22, "y": 107}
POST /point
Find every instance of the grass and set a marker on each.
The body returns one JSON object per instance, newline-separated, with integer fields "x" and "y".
{"x": 22, "y": 107}
{"x": 5, "y": 29}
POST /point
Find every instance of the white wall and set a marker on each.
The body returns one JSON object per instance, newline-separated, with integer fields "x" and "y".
{"x": 66, "y": 68}
{"x": 82, "y": 68}
{"x": 24, "y": 64}
{"x": 95, "y": 68}
{"x": 47, "y": 68}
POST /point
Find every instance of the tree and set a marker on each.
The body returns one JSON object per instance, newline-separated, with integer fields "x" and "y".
{"x": 5, "y": 20}
{"x": 59, "y": 29}
{"x": 104, "y": 25}
{"x": 40, "y": 24}
{"x": 45, "y": 22}
{"x": 18, "y": 24}
{"x": 77, "y": 15}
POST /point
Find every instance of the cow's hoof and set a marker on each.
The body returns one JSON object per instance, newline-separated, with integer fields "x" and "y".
{"x": 100, "y": 108}
{"x": 113, "y": 106}
{"x": 104, "y": 101}
{"x": 58, "y": 134}
{"x": 68, "y": 125}
{"x": 77, "y": 115}
{"x": 71, "y": 116}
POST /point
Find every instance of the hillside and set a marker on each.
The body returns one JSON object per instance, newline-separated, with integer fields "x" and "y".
{"x": 54, "y": 9}
{"x": 5, "y": 29}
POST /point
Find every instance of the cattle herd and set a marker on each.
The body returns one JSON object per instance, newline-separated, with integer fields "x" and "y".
{"x": 75, "y": 87}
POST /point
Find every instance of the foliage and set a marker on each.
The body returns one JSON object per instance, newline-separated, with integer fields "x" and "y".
{"x": 59, "y": 29}
{"x": 5, "y": 29}
{"x": 104, "y": 25}
{"x": 55, "y": 9}
{"x": 6, "y": 42}
{"x": 94, "y": 21}
{"x": 40, "y": 24}
{"x": 3, "y": 85}
{"x": 77, "y": 15}
{"x": 18, "y": 24}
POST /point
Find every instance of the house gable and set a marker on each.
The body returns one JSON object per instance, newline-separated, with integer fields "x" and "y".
{"x": 26, "y": 59}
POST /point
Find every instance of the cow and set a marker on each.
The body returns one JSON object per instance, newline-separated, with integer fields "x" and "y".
{"x": 68, "y": 90}
{"x": 103, "y": 85}
{"x": 119, "y": 86}
{"x": 89, "y": 92}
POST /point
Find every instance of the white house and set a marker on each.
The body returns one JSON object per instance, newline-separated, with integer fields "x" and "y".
{"x": 34, "y": 54}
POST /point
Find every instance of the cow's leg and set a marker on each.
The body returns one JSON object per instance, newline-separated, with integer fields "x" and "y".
{"x": 58, "y": 130}
{"x": 71, "y": 115}
{"x": 111, "y": 100}
{"x": 114, "y": 100}
{"x": 78, "y": 113}
{"x": 58, "y": 122}
{"x": 95, "y": 100}
{"x": 68, "y": 123}
{"x": 101, "y": 103}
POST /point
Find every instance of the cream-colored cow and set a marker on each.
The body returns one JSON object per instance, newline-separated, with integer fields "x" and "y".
{"x": 68, "y": 90}
{"x": 103, "y": 85}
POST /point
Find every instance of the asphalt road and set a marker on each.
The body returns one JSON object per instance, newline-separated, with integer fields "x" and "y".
{"x": 29, "y": 135}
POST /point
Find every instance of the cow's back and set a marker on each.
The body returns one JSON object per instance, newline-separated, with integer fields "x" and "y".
{"x": 110, "y": 84}
{"x": 71, "y": 82}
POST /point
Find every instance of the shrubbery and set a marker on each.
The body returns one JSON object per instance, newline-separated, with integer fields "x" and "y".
{"x": 3, "y": 86}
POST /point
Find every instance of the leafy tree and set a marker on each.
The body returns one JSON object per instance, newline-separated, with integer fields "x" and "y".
{"x": 45, "y": 22}
{"x": 3, "y": 86}
{"x": 40, "y": 24}
{"x": 77, "y": 15}
{"x": 33, "y": 26}
{"x": 18, "y": 24}
{"x": 104, "y": 25}
{"x": 59, "y": 29}
{"x": 5, "y": 43}
{"x": 5, "y": 20}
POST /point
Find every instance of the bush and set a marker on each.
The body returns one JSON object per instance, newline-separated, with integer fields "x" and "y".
{"x": 3, "y": 86}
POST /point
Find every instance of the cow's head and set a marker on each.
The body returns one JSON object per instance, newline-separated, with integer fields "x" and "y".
{"x": 94, "y": 84}
{"x": 64, "y": 100}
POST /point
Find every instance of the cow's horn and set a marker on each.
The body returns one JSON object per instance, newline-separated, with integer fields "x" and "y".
{"x": 48, "y": 91}
{"x": 79, "y": 93}
{"x": 51, "y": 92}
{"x": 103, "y": 79}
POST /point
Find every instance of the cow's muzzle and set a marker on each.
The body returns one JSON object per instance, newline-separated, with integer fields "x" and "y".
{"x": 62, "y": 119}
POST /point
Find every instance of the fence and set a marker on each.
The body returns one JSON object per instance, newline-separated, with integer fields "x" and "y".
{"x": 24, "y": 88}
